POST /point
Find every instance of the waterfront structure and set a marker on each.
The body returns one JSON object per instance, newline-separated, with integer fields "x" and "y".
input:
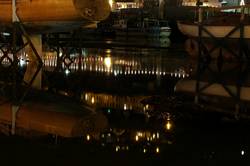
{"x": 27, "y": 20}
{"x": 222, "y": 49}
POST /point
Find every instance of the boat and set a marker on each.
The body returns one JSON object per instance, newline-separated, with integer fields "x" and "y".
{"x": 57, "y": 15}
{"x": 43, "y": 113}
{"x": 146, "y": 28}
{"x": 219, "y": 83}
{"x": 222, "y": 24}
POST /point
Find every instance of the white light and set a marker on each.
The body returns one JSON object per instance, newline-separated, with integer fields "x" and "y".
{"x": 22, "y": 62}
{"x": 93, "y": 100}
{"x": 125, "y": 107}
{"x": 67, "y": 71}
{"x": 136, "y": 138}
{"x": 86, "y": 96}
{"x": 107, "y": 62}
{"x": 242, "y": 3}
{"x": 88, "y": 137}
{"x": 117, "y": 148}
{"x": 242, "y": 152}
{"x": 157, "y": 150}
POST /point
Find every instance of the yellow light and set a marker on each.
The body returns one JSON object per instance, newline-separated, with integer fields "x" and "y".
{"x": 157, "y": 150}
{"x": 111, "y": 3}
{"x": 168, "y": 125}
{"x": 86, "y": 96}
{"x": 117, "y": 148}
{"x": 88, "y": 137}
{"x": 107, "y": 62}
{"x": 125, "y": 107}
{"x": 144, "y": 150}
{"x": 136, "y": 138}
{"x": 93, "y": 100}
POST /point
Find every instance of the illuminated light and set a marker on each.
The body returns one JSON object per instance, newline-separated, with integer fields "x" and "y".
{"x": 147, "y": 106}
{"x": 103, "y": 135}
{"x": 142, "y": 72}
{"x": 164, "y": 73}
{"x": 88, "y": 137}
{"x": 139, "y": 72}
{"x": 168, "y": 125}
{"x": 109, "y": 111}
{"x": 109, "y": 135}
{"x": 144, "y": 150}
{"x": 157, "y": 150}
{"x": 22, "y": 62}
{"x": 67, "y": 71}
{"x": 107, "y": 62}
{"x": 115, "y": 73}
{"x": 136, "y": 138}
{"x": 242, "y": 3}
{"x": 242, "y": 153}
{"x": 117, "y": 148}
{"x": 125, "y": 107}
{"x": 127, "y": 148}
{"x": 93, "y": 100}
{"x": 108, "y": 51}
{"x": 153, "y": 136}
{"x": 6, "y": 34}
{"x": 157, "y": 135}
{"x": 86, "y": 96}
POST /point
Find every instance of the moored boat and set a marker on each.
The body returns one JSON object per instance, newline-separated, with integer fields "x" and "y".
{"x": 44, "y": 15}
{"x": 146, "y": 28}
{"x": 45, "y": 113}
{"x": 220, "y": 25}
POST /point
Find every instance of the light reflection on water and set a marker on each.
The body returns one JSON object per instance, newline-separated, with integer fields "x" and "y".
{"x": 153, "y": 140}
{"x": 123, "y": 62}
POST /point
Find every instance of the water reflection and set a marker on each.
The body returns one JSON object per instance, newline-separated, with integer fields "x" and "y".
{"x": 142, "y": 141}
{"x": 117, "y": 102}
{"x": 112, "y": 64}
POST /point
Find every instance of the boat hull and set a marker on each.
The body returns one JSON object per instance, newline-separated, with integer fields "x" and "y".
{"x": 218, "y": 31}
{"x": 52, "y": 114}
{"x": 56, "y": 13}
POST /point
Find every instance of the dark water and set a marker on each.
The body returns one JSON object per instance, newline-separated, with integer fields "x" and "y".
{"x": 134, "y": 88}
